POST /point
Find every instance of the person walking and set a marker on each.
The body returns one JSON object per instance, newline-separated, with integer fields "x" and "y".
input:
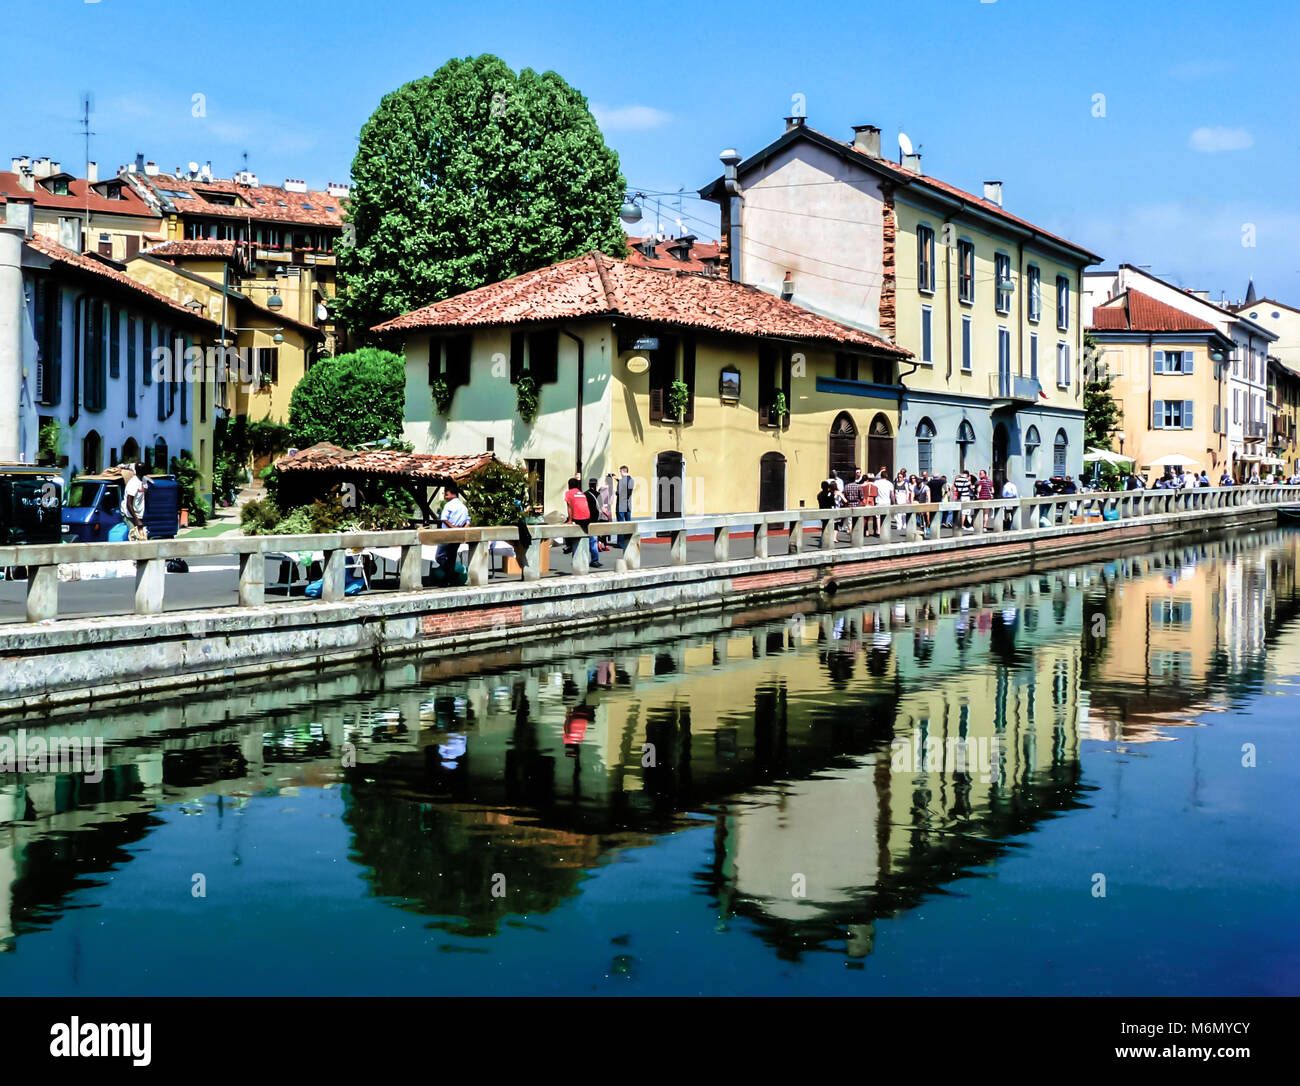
{"x": 852, "y": 497}
{"x": 579, "y": 509}
{"x": 871, "y": 497}
{"x": 623, "y": 501}
{"x": 825, "y": 500}
{"x": 598, "y": 499}
{"x": 984, "y": 492}
{"x": 592, "y": 494}
{"x": 964, "y": 488}
{"x": 884, "y": 493}
{"x": 133, "y": 504}
{"x": 938, "y": 485}
{"x": 1011, "y": 493}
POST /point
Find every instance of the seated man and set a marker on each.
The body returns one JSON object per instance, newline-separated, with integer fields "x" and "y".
{"x": 455, "y": 514}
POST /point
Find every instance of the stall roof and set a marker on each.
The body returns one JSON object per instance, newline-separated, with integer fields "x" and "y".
{"x": 419, "y": 467}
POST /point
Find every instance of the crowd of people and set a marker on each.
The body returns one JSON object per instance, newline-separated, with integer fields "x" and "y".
{"x": 1177, "y": 479}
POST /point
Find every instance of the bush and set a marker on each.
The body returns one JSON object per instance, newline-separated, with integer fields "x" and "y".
{"x": 298, "y": 522}
{"x": 259, "y": 517}
{"x": 496, "y": 494}
{"x": 349, "y": 400}
{"x": 383, "y": 518}
{"x": 188, "y": 481}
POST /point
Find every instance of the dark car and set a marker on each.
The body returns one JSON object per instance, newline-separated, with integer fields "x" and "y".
{"x": 94, "y": 508}
{"x": 30, "y": 503}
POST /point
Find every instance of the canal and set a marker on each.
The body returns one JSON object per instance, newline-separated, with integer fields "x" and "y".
{"x": 1074, "y": 781}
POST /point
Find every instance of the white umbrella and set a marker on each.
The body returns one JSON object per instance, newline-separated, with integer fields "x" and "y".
{"x": 1173, "y": 460}
{"x": 1106, "y": 457}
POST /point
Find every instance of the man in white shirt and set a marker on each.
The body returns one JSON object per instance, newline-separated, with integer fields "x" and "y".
{"x": 133, "y": 504}
{"x": 455, "y": 514}
{"x": 1009, "y": 492}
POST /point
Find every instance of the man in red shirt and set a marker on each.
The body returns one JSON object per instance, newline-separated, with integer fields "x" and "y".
{"x": 579, "y": 510}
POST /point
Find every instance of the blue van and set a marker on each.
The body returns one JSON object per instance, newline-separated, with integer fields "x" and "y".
{"x": 94, "y": 508}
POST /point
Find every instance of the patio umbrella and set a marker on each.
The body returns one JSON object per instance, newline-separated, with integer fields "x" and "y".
{"x": 1105, "y": 456}
{"x": 1173, "y": 460}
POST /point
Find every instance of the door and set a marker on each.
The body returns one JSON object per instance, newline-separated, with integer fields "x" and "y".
{"x": 842, "y": 446}
{"x": 771, "y": 483}
{"x": 880, "y": 447}
{"x": 1001, "y": 441}
{"x": 670, "y": 480}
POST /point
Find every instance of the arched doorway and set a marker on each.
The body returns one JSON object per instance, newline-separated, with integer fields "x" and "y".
{"x": 670, "y": 481}
{"x": 130, "y": 451}
{"x": 1001, "y": 444}
{"x": 91, "y": 451}
{"x": 771, "y": 482}
{"x": 880, "y": 446}
{"x": 1059, "y": 458}
{"x": 842, "y": 446}
{"x": 925, "y": 434}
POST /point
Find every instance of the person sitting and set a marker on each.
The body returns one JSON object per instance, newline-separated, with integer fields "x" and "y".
{"x": 455, "y": 514}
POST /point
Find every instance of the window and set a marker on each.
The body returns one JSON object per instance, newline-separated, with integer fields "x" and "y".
{"x": 1059, "y": 450}
{"x": 1172, "y": 361}
{"x": 48, "y": 320}
{"x": 517, "y": 341}
{"x": 925, "y": 445}
{"x": 536, "y": 483}
{"x": 965, "y": 439}
{"x": 1171, "y": 414}
{"x": 1033, "y": 355}
{"x": 1004, "y": 362}
{"x": 115, "y": 343}
{"x": 966, "y": 271}
{"x": 925, "y": 259}
{"x": 268, "y": 363}
{"x": 1035, "y": 292}
{"x": 1002, "y": 282}
{"x": 1062, "y": 302}
{"x": 1063, "y": 365}
{"x": 132, "y": 360}
{"x": 663, "y": 372}
{"x": 1236, "y": 405}
{"x": 1031, "y": 450}
{"x": 846, "y": 366}
{"x": 95, "y": 384}
{"x": 773, "y": 377}
{"x": 544, "y": 356}
{"x": 927, "y": 337}
{"x": 966, "y": 342}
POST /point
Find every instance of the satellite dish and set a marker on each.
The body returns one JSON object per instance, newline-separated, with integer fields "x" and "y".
{"x": 194, "y": 167}
{"x": 904, "y": 144}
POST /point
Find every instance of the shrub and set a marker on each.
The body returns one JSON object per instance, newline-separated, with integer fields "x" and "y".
{"x": 527, "y": 401}
{"x": 383, "y": 518}
{"x": 298, "y": 522}
{"x": 496, "y": 493}
{"x": 349, "y": 400}
{"x": 259, "y": 517}
{"x": 188, "y": 481}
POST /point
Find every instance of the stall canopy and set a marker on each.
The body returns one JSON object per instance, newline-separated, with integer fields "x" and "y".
{"x": 416, "y": 472}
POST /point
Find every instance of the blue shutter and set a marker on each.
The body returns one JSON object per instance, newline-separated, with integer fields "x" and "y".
{"x": 1159, "y": 361}
{"x": 1187, "y": 414}
{"x": 1157, "y": 414}
{"x": 1187, "y": 361}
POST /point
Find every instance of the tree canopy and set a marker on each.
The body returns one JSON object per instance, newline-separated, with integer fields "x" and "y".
{"x": 349, "y": 400}
{"x": 468, "y": 176}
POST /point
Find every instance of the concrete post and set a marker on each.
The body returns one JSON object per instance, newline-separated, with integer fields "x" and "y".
{"x": 480, "y": 563}
{"x": 149, "y": 576}
{"x": 632, "y": 552}
{"x": 42, "y": 593}
{"x": 333, "y": 574}
{"x": 796, "y": 537}
{"x": 410, "y": 569}
{"x": 886, "y": 526}
{"x": 252, "y": 579}
{"x": 677, "y": 547}
{"x": 760, "y": 540}
{"x": 12, "y": 309}
{"x": 531, "y": 560}
{"x": 722, "y": 543}
{"x": 581, "y": 555}
{"x": 857, "y": 529}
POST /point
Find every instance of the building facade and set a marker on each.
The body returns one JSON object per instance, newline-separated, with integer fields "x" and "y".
{"x": 987, "y": 304}
{"x": 769, "y": 403}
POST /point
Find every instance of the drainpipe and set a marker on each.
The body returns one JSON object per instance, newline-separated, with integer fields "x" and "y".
{"x": 947, "y": 296}
{"x": 78, "y": 327}
{"x": 577, "y": 426}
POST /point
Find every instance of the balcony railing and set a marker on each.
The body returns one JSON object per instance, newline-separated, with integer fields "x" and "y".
{"x": 1008, "y": 386}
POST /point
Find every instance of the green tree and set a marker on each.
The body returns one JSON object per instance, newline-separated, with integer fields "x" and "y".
{"x": 1100, "y": 411}
{"x": 349, "y": 399}
{"x": 469, "y": 176}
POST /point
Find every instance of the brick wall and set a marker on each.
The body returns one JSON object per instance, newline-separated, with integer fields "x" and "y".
{"x": 888, "y": 280}
{"x": 447, "y": 623}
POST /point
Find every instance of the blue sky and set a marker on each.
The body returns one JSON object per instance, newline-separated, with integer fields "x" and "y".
{"x": 1198, "y": 142}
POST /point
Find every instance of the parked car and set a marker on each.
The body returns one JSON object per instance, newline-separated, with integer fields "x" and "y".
{"x": 30, "y": 502}
{"x": 94, "y": 507}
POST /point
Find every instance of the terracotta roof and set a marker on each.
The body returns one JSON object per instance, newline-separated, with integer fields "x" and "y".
{"x": 202, "y": 248}
{"x": 702, "y": 258}
{"x": 595, "y": 285}
{"x": 1134, "y": 311}
{"x": 61, "y": 257}
{"x": 267, "y": 203}
{"x": 896, "y": 173}
{"x": 76, "y": 200}
{"x": 325, "y": 457}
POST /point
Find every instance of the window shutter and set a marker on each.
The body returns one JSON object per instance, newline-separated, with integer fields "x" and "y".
{"x": 1159, "y": 361}
{"x": 688, "y": 376}
{"x": 516, "y": 356}
{"x": 1157, "y": 414}
{"x": 786, "y": 385}
{"x": 1187, "y": 361}
{"x": 435, "y": 360}
{"x": 656, "y": 405}
{"x": 1187, "y": 414}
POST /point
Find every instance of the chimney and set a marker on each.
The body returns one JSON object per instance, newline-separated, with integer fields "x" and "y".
{"x": 151, "y": 169}
{"x": 794, "y": 122}
{"x": 16, "y": 164}
{"x": 341, "y": 191}
{"x": 27, "y": 179}
{"x": 139, "y": 162}
{"x": 19, "y": 212}
{"x": 41, "y": 168}
{"x": 912, "y": 163}
{"x": 294, "y": 184}
{"x": 1204, "y": 295}
{"x": 729, "y": 249}
{"x": 993, "y": 192}
{"x": 92, "y": 172}
{"x": 866, "y": 138}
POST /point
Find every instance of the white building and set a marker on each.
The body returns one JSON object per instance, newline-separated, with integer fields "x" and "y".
{"x": 1248, "y": 407}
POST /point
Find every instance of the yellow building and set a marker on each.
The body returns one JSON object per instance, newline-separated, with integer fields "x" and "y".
{"x": 772, "y": 397}
{"x": 987, "y": 303}
{"x": 1168, "y": 373}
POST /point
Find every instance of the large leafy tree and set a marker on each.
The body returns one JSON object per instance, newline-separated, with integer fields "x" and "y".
{"x": 349, "y": 400}
{"x": 468, "y": 176}
{"x": 1101, "y": 411}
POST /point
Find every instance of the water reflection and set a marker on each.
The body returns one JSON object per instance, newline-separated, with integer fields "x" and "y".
{"x": 851, "y": 761}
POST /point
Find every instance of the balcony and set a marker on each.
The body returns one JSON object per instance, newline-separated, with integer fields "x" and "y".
{"x": 1255, "y": 431}
{"x": 1014, "y": 391}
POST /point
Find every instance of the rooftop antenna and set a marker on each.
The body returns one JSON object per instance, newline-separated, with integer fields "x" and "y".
{"x": 904, "y": 146}
{"x": 87, "y": 104}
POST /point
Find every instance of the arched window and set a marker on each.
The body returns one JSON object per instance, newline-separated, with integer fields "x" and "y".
{"x": 965, "y": 439}
{"x": 1058, "y": 454}
{"x": 842, "y": 446}
{"x": 1032, "y": 441}
{"x": 91, "y": 450}
{"x": 925, "y": 433}
{"x": 880, "y": 446}
{"x": 160, "y": 464}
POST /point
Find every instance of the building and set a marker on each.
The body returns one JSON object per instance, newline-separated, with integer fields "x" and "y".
{"x": 1284, "y": 372}
{"x": 1169, "y": 376}
{"x": 986, "y": 303}
{"x": 106, "y": 217}
{"x": 731, "y": 400}
{"x": 80, "y": 344}
{"x": 1246, "y": 394}
{"x": 685, "y": 253}
{"x": 288, "y": 233}
{"x": 274, "y": 348}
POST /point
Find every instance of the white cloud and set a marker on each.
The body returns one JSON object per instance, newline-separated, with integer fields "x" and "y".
{"x": 629, "y": 118}
{"x": 1220, "y": 139}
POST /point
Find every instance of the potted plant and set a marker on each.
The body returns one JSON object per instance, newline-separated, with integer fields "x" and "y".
{"x": 526, "y": 398}
{"x": 442, "y": 395}
{"x": 679, "y": 397}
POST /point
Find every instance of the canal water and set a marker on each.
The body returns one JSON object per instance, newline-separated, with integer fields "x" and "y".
{"x": 1074, "y": 781}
